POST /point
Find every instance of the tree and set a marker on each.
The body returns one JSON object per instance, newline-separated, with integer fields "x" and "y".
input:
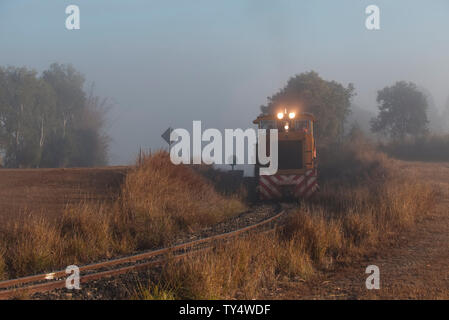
{"x": 435, "y": 117}
{"x": 91, "y": 142}
{"x": 445, "y": 117}
{"x": 26, "y": 107}
{"x": 329, "y": 101}
{"x": 402, "y": 111}
{"x": 49, "y": 120}
{"x": 68, "y": 85}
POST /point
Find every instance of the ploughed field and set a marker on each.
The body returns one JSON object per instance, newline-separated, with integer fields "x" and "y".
{"x": 47, "y": 191}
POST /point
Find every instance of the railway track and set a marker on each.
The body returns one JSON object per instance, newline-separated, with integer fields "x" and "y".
{"x": 49, "y": 281}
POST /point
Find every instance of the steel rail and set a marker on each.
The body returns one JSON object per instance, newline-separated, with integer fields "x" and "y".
{"x": 42, "y": 287}
{"x": 59, "y": 284}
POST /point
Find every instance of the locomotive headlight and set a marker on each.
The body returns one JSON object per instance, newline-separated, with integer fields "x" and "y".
{"x": 280, "y": 115}
{"x": 286, "y": 127}
{"x": 291, "y": 115}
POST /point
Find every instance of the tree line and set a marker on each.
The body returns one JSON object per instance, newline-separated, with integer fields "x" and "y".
{"x": 402, "y": 107}
{"x": 50, "y": 119}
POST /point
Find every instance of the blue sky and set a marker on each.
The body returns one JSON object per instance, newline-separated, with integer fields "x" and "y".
{"x": 166, "y": 63}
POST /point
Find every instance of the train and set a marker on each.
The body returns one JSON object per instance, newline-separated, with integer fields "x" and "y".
{"x": 296, "y": 177}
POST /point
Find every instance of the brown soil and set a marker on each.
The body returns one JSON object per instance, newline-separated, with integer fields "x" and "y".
{"x": 415, "y": 267}
{"x": 48, "y": 191}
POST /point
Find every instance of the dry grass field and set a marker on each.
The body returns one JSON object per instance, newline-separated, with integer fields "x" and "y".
{"x": 413, "y": 264}
{"x": 371, "y": 210}
{"x": 368, "y": 204}
{"x": 319, "y": 238}
{"x": 155, "y": 202}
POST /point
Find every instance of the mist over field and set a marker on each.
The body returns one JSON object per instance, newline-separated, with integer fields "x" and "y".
{"x": 166, "y": 63}
{"x": 349, "y": 200}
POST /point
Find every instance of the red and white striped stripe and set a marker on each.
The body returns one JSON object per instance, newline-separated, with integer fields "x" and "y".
{"x": 304, "y": 185}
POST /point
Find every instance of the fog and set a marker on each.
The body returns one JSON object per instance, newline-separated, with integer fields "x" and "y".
{"x": 166, "y": 63}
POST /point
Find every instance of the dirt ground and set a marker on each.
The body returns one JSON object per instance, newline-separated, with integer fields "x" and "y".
{"x": 416, "y": 267}
{"x": 48, "y": 191}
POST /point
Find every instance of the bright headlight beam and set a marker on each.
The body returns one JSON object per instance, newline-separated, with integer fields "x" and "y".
{"x": 291, "y": 115}
{"x": 280, "y": 115}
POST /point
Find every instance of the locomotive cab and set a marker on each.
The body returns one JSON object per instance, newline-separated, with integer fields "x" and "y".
{"x": 297, "y": 175}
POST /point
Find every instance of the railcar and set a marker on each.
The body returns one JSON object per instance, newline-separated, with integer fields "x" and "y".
{"x": 297, "y": 158}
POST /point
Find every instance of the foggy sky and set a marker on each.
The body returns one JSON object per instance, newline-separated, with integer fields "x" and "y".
{"x": 166, "y": 63}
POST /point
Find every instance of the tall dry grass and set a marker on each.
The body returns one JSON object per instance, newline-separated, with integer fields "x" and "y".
{"x": 181, "y": 200}
{"x": 314, "y": 239}
{"x": 363, "y": 201}
{"x": 159, "y": 201}
{"x": 238, "y": 269}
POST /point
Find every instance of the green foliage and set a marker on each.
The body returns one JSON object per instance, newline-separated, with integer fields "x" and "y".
{"x": 402, "y": 111}
{"x": 329, "y": 101}
{"x": 48, "y": 120}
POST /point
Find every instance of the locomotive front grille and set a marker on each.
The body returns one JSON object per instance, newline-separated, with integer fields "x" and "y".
{"x": 290, "y": 154}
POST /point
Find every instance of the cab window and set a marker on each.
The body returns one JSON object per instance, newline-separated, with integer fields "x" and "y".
{"x": 301, "y": 125}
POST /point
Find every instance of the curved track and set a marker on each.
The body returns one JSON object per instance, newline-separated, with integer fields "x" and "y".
{"x": 50, "y": 281}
